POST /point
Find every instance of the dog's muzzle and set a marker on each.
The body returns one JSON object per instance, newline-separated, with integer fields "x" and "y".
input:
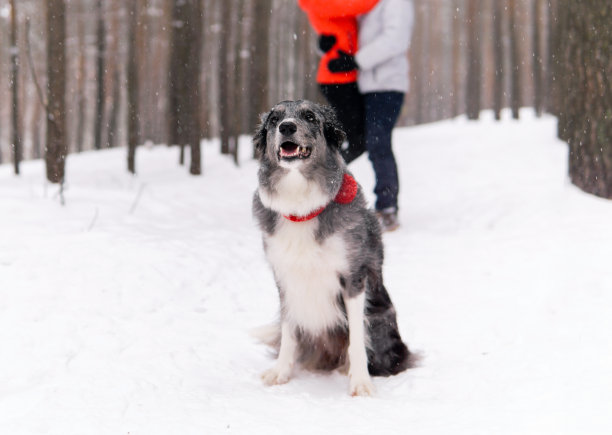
{"x": 290, "y": 150}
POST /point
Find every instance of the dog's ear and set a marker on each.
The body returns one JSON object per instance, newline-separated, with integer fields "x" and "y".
{"x": 332, "y": 129}
{"x": 259, "y": 139}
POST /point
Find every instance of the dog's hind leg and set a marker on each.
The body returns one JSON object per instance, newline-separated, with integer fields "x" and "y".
{"x": 360, "y": 382}
{"x": 281, "y": 372}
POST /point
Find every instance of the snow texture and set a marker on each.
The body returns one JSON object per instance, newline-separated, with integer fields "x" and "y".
{"x": 127, "y": 311}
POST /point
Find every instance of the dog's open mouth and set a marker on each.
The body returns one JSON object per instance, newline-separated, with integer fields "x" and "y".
{"x": 290, "y": 150}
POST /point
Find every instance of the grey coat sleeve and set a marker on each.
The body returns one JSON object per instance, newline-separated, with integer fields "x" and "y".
{"x": 394, "y": 40}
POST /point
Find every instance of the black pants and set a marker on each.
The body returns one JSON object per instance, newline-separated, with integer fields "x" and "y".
{"x": 349, "y": 105}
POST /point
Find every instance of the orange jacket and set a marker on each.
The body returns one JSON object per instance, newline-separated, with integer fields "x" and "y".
{"x": 338, "y": 18}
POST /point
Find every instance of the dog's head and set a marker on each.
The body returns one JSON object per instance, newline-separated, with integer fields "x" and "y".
{"x": 294, "y": 132}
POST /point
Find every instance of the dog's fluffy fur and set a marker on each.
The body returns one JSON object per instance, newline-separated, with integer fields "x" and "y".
{"x": 335, "y": 310}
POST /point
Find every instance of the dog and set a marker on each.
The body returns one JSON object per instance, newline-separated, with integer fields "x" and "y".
{"x": 325, "y": 249}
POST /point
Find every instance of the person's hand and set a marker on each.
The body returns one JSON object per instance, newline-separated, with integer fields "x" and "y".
{"x": 326, "y": 42}
{"x": 344, "y": 63}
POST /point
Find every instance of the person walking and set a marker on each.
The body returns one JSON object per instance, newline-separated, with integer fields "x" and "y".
{"x": 382, "y": 65}
{"x": 335, "y": 21}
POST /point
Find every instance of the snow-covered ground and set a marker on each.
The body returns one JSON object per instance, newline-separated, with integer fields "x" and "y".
{"x": 128, "y": 309}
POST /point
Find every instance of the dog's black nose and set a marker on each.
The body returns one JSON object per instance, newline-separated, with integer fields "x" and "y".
{"x": 287, "y": 128}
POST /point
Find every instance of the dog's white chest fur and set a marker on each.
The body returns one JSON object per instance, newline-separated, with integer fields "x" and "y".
{"x": 308, "y": 273}
{"x": 294, "y": 195}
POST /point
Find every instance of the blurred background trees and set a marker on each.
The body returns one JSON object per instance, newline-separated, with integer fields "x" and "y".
{"x": 132, "y": 75}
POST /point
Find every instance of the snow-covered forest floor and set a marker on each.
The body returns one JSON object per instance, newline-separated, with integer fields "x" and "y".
{"x": 128, "y": 309}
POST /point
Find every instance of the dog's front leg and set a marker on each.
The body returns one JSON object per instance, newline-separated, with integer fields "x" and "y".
{"x": 360, "y": 382}
{"x": 281, "y": 372}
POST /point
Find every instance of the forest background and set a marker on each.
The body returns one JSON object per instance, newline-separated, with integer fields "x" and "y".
{"x": 92, "y": 74}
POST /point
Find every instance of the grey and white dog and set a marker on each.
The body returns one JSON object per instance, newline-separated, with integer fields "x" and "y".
{"x": 325, "y": 249}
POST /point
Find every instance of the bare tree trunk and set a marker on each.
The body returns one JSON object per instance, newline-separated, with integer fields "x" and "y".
{"x": 474, "y": 60}
{"x": 515, "y": 61}
{"x": 57, "y": 148}
{"x": 146, "y": 45}
{"x": 224, "y": 133}
{"x": 553, "y": 58}
{"x": 560, "y": 72}
{"x": 246, "y": 64}
{"x": 436, "y": 65}
{"x": 426, "y": 56}
{"x": 538, "y": 77}
{"x": 195, "y": 53}
{"x": 113, "y": 77}
{"x": 133, "y": 90}
{"x": 37, "y": 126}
{"x": 184, "y": 79}
{"x": 587, "y": 101}
{"x": 42, "y": 104}
{"x": 311, "y": 90}
{"x": 236, "y": 90}
{"x": 261, "y": 58}
{"x": 206, "y": 71}
{"x": 100, "y": 54}
{"x": 301, "y": 54}
{"x": 113, "y": 116}
{"x": 498, "y": 54}
{"x": 226, "y": 75}
{"x": 16, "y": 139}
{"x": 81, "y": 80}
{"x": 456, "y": 68}
{"x": 288, "y": 59}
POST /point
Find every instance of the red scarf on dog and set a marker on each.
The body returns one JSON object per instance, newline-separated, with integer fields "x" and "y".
{"x": 345, "y": 195}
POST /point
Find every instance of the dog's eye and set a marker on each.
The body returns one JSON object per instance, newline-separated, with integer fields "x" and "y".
{"x": 310, "y": 117}
{"x": 273, "y": 120}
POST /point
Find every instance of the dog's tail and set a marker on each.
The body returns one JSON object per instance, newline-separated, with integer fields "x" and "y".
{"x": 269, "y": 334}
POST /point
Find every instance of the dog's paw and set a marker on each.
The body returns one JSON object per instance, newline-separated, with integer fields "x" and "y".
{"x": 275, "y": 376}
{"x": 362, "y": 388}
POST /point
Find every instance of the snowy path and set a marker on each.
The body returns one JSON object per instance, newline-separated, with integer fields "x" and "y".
{"x": 128, "y": 310}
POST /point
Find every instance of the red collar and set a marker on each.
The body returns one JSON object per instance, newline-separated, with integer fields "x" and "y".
{"x": 345, "y": 195}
